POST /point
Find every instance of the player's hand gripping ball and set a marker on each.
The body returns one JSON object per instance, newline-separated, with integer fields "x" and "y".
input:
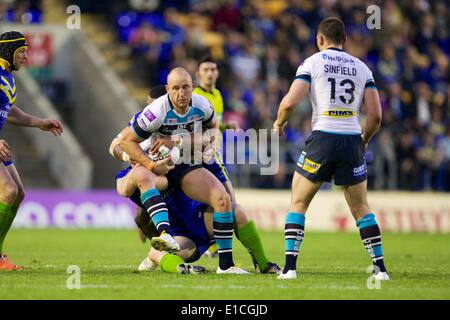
{"x": 164, "y": 152}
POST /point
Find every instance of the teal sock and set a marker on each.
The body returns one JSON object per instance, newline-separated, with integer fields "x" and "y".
{"x": 371, "y": 237}
{"x": 157, "y": 209}
{"x": 293, "y": 236}
{"x": 223, "y": 234}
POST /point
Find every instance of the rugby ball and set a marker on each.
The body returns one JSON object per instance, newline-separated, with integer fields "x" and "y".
{"x": 164, "y": 152}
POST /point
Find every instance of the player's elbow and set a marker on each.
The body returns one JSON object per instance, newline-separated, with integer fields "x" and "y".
{"x": 376, "y": 117}
{"x": 289, "y": 105}
{"x": 114, "y": 144}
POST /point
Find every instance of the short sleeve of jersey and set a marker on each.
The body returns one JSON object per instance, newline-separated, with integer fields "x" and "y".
{"x": 370, "y": 81}
{"x": 204, "y": 104}
{"x": 304, "y": 71}
{"x": 150, "y": 119}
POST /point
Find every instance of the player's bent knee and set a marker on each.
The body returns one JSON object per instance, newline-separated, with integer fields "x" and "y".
{"x": 220, "y": 200}
{"x": 161, "y": 183}
{"x": 9, "y": 193}
{"x": 188, "y": 254}
{"x": 145, "y": 180}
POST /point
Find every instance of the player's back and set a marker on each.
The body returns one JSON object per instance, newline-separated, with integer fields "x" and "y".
{"x": 338, "y": 81}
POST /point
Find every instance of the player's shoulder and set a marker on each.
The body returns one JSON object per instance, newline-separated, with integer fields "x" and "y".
{"x": 358, "y": 62}
{"x": 159, "y": 106}
{"x": 200, "y": 101}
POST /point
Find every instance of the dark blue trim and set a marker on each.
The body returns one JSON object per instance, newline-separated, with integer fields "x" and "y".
{"x": 332, "y": 48}
{"x": 210, "y": 118}
{"x": 370, "y": 83}
{"x": 140, "y": 133}
{"x": 305, "y": 77}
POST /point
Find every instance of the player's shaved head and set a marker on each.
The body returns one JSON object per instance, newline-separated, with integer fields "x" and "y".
{"x": 180, "y": 87}
{"x": 177, "y": 74}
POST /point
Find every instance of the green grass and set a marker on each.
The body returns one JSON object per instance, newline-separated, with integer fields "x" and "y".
{"x": 332, "y": 266}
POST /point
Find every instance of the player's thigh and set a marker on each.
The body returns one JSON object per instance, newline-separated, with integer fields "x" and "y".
{"x": 303, "y": 191}
{"x": 12, "y": 170}
{"x": 8, "y": 187}
{"x": 201, "y": 185}
{"x": 356, "y": 197}
{"x": 188, "y": 249}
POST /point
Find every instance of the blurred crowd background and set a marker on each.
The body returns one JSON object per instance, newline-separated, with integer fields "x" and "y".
{"x": 259, "y": 46}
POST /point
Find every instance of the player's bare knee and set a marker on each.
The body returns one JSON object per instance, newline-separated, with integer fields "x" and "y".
{"x": 145, "y": 181}
{"x": 161, "y": 183}
{"x": 9, "y": 193}
{"x": 221, "y": 200}
{"x": 187, "y": 253}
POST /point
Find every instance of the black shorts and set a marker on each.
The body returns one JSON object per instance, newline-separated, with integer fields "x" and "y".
{"x": 329, "y": 155}
{"x": 175, "y": 175}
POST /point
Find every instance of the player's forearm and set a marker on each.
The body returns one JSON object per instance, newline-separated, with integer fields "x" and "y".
{"x": 374, "y": 114}
{"x": 136, "y": 154}
{"x": 20, "y": 118}
{"x": 284, "y": 112}
{"x": 371, "y": 127}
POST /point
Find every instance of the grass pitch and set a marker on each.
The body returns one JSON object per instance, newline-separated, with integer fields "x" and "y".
{"x": 331, "y": 266}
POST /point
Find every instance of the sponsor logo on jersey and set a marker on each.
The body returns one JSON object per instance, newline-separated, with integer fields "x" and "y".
{"x": 340, "y": 113}
{"x": 3, "y": 114}
{"x": 307, "y": 164}
{"x": 337, "y": 58}
{"x": 149, "y": 115}
{"x": 359, "y": 171}
{"x": 195, "y": 117}
{"x": 172, "y": 121}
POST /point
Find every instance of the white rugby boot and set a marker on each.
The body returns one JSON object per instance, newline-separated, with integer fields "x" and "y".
{"x": 165, "y": 242}
{"x": 232, "y": 270}
{"x": 382, "y": 276}
{"x": 291, "y": 274}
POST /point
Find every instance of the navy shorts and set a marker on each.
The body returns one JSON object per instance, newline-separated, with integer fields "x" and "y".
{"x": 329, "y": 155}
{"x": 176, "y": 174}
{"x": 186, "y": 217}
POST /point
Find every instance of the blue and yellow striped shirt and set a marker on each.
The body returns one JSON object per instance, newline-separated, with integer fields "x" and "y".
{"x": 7, "y": 93}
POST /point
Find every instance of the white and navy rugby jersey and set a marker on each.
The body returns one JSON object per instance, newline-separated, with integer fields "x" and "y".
{"x": 160, "y": 118}
{"x": 338, "y": 81}
{"x": 7, "y": 93}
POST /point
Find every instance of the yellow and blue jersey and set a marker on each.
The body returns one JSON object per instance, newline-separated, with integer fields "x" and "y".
{"x": 7, "y": 93}
{"x": 215, "y": 98}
